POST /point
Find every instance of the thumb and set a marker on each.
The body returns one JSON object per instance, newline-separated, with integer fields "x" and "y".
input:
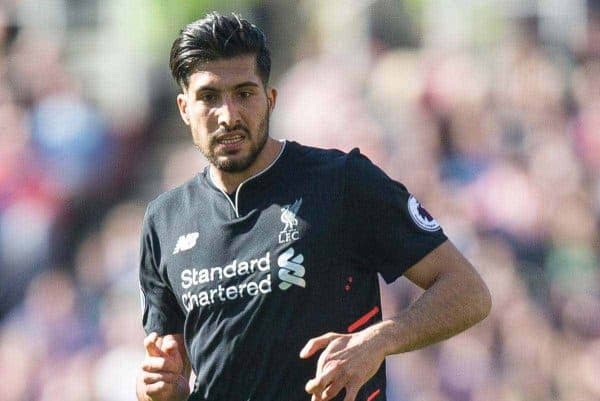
{"x": 315, "y": 344}
{"x": 150, "y": 344}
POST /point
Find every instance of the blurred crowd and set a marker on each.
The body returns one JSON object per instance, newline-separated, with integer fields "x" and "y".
{"x": 500, "y": 142}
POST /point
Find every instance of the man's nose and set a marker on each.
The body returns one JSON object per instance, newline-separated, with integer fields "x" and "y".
{"x": 228, "y": 113}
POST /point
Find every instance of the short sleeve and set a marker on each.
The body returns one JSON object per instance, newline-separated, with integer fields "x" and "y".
{"x": 161, "y": 312}
{"x": 387, "y": 229}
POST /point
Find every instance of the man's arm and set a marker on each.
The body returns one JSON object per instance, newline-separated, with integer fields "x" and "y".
{"x": 455, "y": 299}
{"x": 165, "y": 371}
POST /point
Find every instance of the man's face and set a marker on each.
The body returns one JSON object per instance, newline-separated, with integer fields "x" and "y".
{"x": 227, "y": 109}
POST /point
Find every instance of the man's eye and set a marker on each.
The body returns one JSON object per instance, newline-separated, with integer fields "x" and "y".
{"x": 245, "y": 95}
{"x": 208, "y": 97}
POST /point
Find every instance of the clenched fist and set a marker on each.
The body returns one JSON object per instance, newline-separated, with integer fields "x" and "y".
{"x": 163, "y": 376}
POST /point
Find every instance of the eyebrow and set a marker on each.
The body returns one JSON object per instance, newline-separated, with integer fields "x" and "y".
{"x": 247, "y": 83}
{"x": 214, "y": 89}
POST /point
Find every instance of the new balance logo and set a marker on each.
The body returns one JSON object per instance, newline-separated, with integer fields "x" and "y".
{"x": 292, "y": 271}
{"x": 186, "y": 242}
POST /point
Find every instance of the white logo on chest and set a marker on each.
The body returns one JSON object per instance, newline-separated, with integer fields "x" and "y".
{"x": 288, "y": 217}
{"x": 186, "y": 242}
{"x": 291, "y": 270}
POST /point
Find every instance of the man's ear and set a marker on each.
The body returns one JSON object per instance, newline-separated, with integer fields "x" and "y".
{"x": 182, "y": 104}
{"x": 271, "y": 98}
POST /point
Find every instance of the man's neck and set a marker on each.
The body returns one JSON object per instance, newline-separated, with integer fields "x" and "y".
{"x": 229, "y": 182}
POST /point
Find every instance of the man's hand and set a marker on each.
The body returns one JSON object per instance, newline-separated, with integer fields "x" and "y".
{"x": 347, "y": 361}
{"x": 455, "y": 299}
{"x": 163, "y": 376}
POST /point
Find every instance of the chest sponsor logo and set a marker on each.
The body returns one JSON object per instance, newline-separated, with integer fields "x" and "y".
{"x": 186, "y": 242}
{"x": 208, "y": 286}
{"x": 239, "y": 279}
{"x": 420, "y": 216}
{"x": 291, "y": 270}
{"x": 289, "y": 219}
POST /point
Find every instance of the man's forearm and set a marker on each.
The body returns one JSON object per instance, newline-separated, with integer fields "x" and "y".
{"x": 452, "y": 304}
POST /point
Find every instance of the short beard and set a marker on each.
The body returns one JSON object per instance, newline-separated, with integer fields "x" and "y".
{"x": 238, "y": 166}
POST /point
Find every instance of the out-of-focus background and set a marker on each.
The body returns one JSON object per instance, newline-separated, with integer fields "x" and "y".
{"x": 488, "y": 110}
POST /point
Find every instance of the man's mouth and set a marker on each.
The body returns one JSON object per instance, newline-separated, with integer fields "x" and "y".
{"x": 231, "y": 139}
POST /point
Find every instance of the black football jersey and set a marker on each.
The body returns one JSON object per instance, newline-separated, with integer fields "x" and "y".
{"x": 294, "y": 253}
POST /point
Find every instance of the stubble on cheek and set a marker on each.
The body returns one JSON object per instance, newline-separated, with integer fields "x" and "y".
{"x": 207, "y": 144}
{"x": 204, "y": 141}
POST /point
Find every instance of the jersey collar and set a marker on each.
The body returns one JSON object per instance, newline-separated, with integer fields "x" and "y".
{"x": 233, "y": 199}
